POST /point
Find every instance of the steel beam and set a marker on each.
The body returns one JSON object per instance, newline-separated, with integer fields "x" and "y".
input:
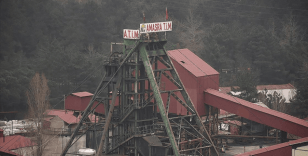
{"x": 107, "y": 121}
{"x": 84, "y": 116}
{"x": 256, "y": 113}
{"x": 158, "y": 98}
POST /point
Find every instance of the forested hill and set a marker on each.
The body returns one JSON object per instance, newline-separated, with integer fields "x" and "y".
{"x": 68, "y": 40}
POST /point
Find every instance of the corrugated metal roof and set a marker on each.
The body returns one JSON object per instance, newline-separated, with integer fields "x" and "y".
{"x": 82, "y": 94}
{"x": 256, "y": 107}
{"x": 275, "y": 87}
{"x": 192, "y": 62}
{"x": 68, "y": 116}
{"x": 15, "y": 142}
{"x": 274, "y": 147}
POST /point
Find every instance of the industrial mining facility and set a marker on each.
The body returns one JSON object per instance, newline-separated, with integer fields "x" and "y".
{"x": 154, "y": 102}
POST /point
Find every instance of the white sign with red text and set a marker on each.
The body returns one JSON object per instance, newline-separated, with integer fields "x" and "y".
{"x": 130, "y": 34}
{"x": 155, "y": 27}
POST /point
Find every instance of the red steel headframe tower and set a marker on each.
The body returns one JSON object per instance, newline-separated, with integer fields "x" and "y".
{"x": 137, "y": 118}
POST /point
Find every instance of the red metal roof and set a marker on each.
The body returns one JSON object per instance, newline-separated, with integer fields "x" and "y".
{"x": 68, "y": 116}
{"x": 274, "y": 147}
{"x": 15, "y": 142}
{"x": 275, "y": 87}
{"x": 82, "y": 94}
{"x": 192, "y": 62}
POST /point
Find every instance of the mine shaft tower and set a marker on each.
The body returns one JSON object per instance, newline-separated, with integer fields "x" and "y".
{"x": 137, "y": 118}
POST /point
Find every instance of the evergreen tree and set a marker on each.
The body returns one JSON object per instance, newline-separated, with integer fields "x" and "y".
{"x": 246, "y": 83}
{"x": 301, "y": 99}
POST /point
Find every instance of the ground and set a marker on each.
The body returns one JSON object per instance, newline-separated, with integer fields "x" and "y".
{"x": 238, "y": 149}
{"x": 235, "y": 148}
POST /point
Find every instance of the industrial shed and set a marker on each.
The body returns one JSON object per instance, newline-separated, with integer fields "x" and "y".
{"x": 196, "y": 76}
{"x": 62, "y": 119}
{"x": 79, "y": 102}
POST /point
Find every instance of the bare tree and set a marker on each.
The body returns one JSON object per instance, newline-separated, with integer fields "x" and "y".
{"x": 291, "y": 31}
{"x": 273, "y": 101}
{"x": 190, "y": 33}
{"x": 38, "y": 103}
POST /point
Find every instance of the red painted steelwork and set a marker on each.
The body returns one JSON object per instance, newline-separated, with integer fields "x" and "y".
{"x": 283, "y": 149}
{"x": 79, "y": 102}
{"x": 192, "y": 62}
{"x": 196, "y": 76}
{"x": 256, "y": 113}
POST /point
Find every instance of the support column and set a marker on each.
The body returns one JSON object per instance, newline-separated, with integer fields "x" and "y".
{"x": 158, "y": 98}
{"x": 136, "y": 102}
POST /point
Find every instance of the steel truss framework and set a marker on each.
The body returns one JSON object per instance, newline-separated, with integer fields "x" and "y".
{"x": 133, "y": 78}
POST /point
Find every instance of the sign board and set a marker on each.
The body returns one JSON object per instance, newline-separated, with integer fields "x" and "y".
{"x": 155, "y": 27}
{"x": 130, "y": 34}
